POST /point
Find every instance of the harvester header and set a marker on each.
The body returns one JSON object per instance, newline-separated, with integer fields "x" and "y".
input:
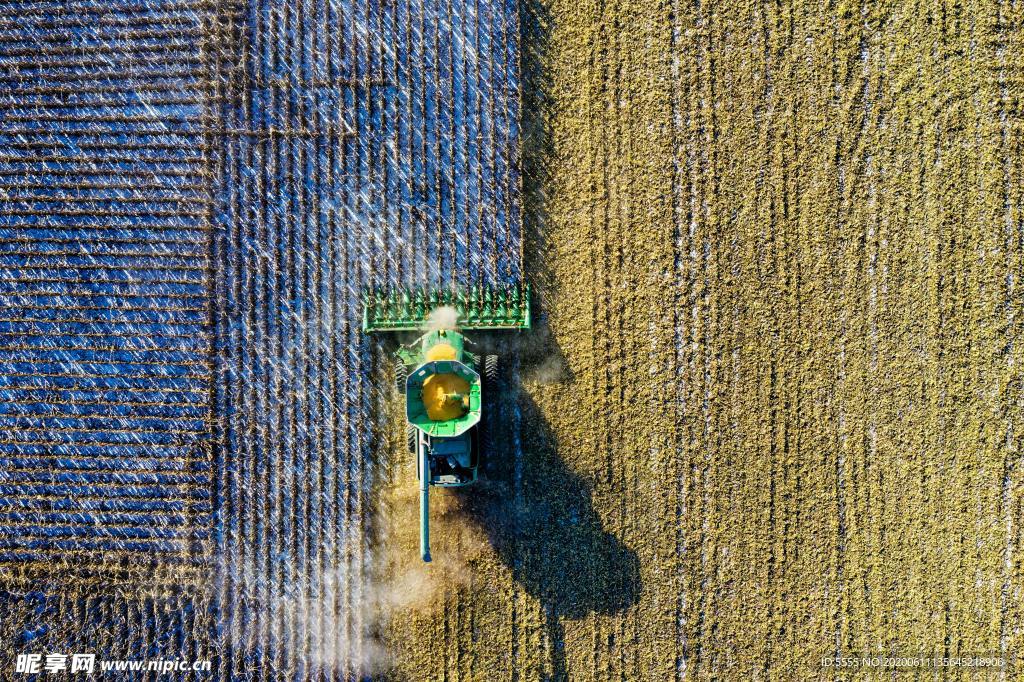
{"x": 476, "y": 307}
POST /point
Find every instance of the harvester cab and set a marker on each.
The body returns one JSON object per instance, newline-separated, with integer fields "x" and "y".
{"x": 449, "y": 390}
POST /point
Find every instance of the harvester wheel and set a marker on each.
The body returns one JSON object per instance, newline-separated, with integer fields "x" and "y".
{"x": 410, "y": 437}
{"x": 484, "y": 432}
{"x": 481, "y": 443}
{"x": 491, "y": 369}
{"x": 401, "y": 374}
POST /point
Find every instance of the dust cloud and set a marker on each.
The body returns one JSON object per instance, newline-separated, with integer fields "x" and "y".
{"x": 443, "y": 317}
{"x": 403, "y": 583}
{"x": 549, "y": 370}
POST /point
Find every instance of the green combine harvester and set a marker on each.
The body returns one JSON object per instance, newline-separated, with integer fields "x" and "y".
{"x": 445, "y": 384}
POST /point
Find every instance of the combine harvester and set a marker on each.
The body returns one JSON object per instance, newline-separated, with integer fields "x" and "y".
{"x": 440, "y": 376}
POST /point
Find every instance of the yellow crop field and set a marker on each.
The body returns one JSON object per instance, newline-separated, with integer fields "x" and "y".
{"x": 772, "y": 410}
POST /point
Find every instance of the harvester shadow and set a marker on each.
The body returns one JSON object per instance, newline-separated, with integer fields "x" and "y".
{"x": 537, "y": 512}
{"x": 540, "y": 519}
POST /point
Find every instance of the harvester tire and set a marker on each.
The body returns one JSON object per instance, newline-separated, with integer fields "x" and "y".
{"x": 484, "y": 432}
{"x": 484, "y": 445}
{"x": 401, "y": 374}
{"x": 491, "y": 369}
{"x": 410, "y": 437}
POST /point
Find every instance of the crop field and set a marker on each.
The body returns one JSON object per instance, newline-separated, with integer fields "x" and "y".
{"x": 195, "y": 196}
{"x": 769, "y": 412}
{"x": 773, "y": 409}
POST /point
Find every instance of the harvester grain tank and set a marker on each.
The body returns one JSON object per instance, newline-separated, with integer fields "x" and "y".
{"x": 445, "y": 384}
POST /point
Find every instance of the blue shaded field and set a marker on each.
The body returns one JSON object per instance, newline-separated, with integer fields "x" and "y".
{"x": 194, "y": 195}
{"x": 105, "y": 337}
